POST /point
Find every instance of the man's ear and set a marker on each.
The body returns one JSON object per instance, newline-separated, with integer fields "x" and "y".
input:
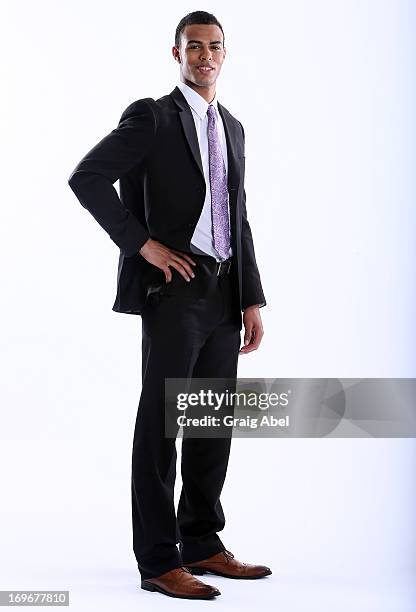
{"x": 176, "y": 56}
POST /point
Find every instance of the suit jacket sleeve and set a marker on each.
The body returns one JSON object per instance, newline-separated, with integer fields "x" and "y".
{"x": 93, "y": 178}
{"x": 252, "y": 291}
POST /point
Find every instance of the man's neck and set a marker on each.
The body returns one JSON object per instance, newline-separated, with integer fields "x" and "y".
{"x": 208, "y": 93}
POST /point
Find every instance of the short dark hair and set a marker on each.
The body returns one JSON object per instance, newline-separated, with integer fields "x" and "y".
{"x": 197, "y": 17}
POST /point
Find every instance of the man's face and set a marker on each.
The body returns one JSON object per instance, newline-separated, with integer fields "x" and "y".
{"x": 201, "y": 54}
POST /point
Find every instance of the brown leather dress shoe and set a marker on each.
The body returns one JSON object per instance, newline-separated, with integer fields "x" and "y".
{"x": 224, "y": 564}
{"x": 179, "y": 582}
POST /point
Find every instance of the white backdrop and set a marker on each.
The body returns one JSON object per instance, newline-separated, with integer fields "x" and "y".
{"x": 325, "y": 91}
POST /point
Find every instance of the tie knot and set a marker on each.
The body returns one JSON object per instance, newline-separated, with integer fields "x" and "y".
{"x": 211, "y": 112}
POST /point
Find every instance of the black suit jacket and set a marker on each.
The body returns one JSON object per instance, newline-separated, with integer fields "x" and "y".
{"x": 154, "y": 153}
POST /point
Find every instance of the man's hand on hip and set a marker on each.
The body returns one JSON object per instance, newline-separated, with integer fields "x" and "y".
{"x": 253, "y": 329}
{"x": 162, "y": 257}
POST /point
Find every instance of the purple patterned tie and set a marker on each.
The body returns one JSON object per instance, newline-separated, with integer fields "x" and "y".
{"x": 219, "y": 189}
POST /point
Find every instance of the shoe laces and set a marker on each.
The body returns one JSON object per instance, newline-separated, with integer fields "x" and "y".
{"x": 229, "y": 554}
{"x": 185, "y": 569}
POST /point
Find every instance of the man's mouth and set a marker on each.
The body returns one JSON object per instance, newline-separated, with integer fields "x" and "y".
{"x": 205, "y": 69}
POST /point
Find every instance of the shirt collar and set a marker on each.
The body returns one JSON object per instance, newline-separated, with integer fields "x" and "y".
{"x": 196, "y": 101}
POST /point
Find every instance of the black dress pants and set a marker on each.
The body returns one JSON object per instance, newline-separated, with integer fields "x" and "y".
{"x": 189, "y": 329}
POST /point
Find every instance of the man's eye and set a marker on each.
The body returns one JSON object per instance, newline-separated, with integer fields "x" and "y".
{"x": 217, "y": 47}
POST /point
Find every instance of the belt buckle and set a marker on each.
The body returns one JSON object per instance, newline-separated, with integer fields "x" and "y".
{"x": 227, "y": 261}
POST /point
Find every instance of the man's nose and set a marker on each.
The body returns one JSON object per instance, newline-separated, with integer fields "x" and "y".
{"x": 205, "y": 54}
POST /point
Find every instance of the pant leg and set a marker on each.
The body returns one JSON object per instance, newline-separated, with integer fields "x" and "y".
{"x": 204, "y": 460}
{"x": 173, "y": 331}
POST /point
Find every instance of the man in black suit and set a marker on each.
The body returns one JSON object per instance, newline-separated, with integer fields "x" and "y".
{"x": 187, "y": 266}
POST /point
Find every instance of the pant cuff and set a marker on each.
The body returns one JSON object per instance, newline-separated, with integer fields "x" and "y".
{"x": 198, "y": 551}
{"x": 153, "y": 571}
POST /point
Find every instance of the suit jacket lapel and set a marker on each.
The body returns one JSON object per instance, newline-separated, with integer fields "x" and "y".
{"x": 192, "y": 138}
{"x": 230, "y": 137}
{"x": 188, "y": 126}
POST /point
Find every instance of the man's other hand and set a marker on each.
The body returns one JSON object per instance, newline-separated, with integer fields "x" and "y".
{"x": 253, "y": 329}
{"x": 162, "y": 257}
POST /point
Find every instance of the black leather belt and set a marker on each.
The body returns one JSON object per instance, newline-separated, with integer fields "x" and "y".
{"x": 215, "y": 267}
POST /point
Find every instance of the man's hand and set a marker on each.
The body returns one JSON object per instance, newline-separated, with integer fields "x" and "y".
{"x": 253, "y": 329}
{"x": 162, "y": 257}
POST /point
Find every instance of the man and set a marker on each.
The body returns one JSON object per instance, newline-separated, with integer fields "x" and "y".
{"x": 187, "y": 266}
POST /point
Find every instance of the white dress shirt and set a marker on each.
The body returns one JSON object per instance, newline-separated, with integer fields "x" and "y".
{"x": 202, "y": 238}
